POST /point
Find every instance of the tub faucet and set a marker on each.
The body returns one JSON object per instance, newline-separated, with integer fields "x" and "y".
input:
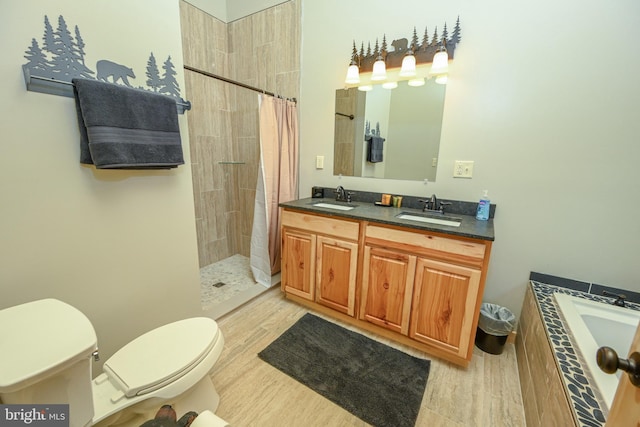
{"x": 620, "y": 298}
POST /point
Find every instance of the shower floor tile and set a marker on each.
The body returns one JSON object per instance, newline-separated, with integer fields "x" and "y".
{"x": 225, "y": 279}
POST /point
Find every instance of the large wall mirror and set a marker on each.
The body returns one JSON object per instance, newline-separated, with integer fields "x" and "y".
{"x": 400, "y": 127}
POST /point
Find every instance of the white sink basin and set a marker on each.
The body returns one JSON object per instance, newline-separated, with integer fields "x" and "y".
{"x": 452, "y": 222}
{"x": 332, "y": 206}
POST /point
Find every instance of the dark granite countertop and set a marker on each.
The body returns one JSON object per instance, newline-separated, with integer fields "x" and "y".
{"x": 367, "y": 211}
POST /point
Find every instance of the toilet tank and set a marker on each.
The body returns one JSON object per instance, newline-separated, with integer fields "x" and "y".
{"x": 46, "y": 348}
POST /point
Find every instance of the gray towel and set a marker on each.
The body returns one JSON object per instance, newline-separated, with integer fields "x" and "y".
{"x": 374, "y": 148}
{"x": 125, "y": 128}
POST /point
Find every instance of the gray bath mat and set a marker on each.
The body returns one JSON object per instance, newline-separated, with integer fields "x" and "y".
{"x": 379, "y": 384}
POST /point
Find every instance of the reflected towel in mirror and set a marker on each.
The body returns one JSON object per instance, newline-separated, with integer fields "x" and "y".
{"x": 374, "y": 148}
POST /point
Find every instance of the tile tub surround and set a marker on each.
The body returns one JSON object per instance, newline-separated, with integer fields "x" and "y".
{"x": 586, "y": 287}
{"x": 586, "y": 403}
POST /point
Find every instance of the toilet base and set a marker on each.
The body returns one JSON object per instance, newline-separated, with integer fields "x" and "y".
{"x": 201, "y": 397}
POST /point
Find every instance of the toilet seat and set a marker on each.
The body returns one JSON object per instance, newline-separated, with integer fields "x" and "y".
{"x": 160, "y": 356}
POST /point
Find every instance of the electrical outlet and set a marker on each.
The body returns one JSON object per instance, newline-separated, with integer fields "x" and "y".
{"x": 463, "y": 169}
{"x": 434, "y": 162}
{"x": 319, "y": 162}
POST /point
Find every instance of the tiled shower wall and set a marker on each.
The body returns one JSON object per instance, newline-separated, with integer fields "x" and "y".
{"x": 261, "y": 50}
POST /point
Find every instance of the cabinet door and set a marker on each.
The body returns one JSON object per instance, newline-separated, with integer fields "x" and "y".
{"x": 336, "y": 266}
{"x": 444, "y": 300}
{"x": 387, "y": 287}
{"x": 298, "y": 263}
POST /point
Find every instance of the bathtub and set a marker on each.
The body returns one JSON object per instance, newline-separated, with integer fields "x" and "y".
{"x": 593, "y": 325}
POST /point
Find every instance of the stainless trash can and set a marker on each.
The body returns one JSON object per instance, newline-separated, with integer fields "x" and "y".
{"x": 494, "y": 326}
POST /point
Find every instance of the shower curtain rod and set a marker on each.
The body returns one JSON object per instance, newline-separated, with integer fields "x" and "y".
{"x": 233, "y": 82}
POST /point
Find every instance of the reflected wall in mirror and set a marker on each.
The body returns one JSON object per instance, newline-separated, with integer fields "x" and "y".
{"x": 409, "y": 120}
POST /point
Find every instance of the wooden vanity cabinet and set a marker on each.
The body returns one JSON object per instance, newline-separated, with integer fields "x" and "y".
{"x": 319, "y": 259}
{"x": 424, "y": 285}
{"x": 387, "y": 288}
{"x": 336, "y": 267}
{"x": 298, "y": 263}
{"x": 417, "y": 287}
{"x": 444, "y": 300}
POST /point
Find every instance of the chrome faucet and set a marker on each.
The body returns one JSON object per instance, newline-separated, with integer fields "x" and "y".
{"x": 340, "y": 194}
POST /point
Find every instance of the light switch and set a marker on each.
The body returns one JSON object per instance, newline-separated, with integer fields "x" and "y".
{"x": 463, "y": 169}
{"x": 319, "y": 162}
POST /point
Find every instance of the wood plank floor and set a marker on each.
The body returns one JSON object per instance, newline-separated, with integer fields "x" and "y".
{"x": 253, "y": 393}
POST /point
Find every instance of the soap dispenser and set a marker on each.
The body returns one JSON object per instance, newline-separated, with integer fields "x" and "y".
{"x": 483, "y": 207}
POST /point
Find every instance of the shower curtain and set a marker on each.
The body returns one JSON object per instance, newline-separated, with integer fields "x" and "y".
{"x": 277, "y": 182}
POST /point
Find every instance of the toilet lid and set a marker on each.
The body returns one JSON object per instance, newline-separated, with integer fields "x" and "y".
{"x": 161, "y": 355}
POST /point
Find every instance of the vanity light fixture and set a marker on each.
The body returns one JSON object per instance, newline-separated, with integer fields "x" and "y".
{"x": 440, "y": 64}
{"x": 379, "y": 67}
{"x": 353, "y": 72}
{"x": 408, "y": 68}
{"x": 365, "y": 88}
{"x": 408, "y": 61}
{"x": 390, "y": 85}
{"x": 408, "y": 65}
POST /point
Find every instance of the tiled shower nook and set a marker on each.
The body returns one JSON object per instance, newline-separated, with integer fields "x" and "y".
{"x": 223, "y": 123}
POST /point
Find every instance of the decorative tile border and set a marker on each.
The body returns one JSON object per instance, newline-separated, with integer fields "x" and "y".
{"x": 587, "y": 287}
{"x": 584, "y": 397}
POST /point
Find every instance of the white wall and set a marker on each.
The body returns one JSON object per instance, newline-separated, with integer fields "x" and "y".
{"x": 543, "y": 96}
{"x": 120, "y": 246}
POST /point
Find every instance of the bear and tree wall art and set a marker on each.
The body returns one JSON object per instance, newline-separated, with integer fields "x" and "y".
{"x": 62, "y": 58}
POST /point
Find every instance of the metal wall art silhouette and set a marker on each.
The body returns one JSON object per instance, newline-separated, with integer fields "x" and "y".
{"x": 62, "y": 58}
{"x": 423, "y": 50}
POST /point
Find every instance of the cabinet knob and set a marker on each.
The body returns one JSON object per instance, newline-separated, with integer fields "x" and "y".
{"x": 609, "y": 362}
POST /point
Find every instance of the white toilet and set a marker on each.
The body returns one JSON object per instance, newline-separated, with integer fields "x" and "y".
{"x": 46, "y": 352}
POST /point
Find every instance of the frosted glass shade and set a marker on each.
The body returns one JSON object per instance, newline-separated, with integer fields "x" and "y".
{"x": 365, "y": 88}
{"x": 390, "y": 85}
{"x": 408, "y": 66}
{"x": 353, "y": 75}
{"x": 442, "y": 79}
{"x": 416, "y": 82}
{"x": 440, "y": 64}
{"x": 379, "y": 70}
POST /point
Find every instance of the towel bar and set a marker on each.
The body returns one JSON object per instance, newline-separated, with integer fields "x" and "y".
{"x": 63, "y": 88}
